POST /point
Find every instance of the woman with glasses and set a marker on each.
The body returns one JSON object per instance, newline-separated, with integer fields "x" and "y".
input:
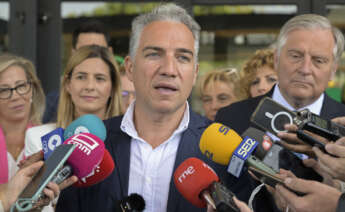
{"x": 217, "y": 89}
{"x": 21, "y": 107}
{"x": 90, "y": 85}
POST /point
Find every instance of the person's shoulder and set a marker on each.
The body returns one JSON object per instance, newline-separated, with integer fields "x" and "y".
{"x": 42, "y": 128}
{"x": 332, "y": 108}
{"x": 238, "y": 109}
{"x": 113, "y": 121}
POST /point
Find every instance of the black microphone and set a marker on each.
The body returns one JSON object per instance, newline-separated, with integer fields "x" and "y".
{"x": 132, "y": 203}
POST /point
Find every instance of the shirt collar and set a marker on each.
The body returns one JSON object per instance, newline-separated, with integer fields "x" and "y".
{"x": 315, "y": 107}
{"x": 127, "y": 123}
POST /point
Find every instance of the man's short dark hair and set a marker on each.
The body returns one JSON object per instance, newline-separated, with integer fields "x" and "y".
{"x": 90, "y": 27}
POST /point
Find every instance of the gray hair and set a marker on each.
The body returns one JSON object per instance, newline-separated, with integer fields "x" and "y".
{"x": 312, "y": 21}
{"x": 164, "y": 12}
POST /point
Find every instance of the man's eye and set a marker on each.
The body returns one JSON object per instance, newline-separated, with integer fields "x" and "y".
{"x": 152, "y": 54}
{"x": 183, "y": 58}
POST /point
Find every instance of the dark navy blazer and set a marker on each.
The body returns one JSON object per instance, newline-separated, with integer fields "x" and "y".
{"x": 104, "y": 196}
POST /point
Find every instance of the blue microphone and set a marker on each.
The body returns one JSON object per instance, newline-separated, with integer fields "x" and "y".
{"x": 51, "y": 140}
{"x": 88, "y": 123}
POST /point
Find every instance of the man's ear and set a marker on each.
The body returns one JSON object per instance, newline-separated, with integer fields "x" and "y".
{"x": 333, "y": 71}
{"x": 129, "y": 67}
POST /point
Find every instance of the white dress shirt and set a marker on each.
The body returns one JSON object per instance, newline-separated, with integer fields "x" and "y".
{"x": 150, "y": 169}
{"x": 315, "y": 107}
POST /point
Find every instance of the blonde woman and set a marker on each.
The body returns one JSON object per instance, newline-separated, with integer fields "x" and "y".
{"x": 21, "y": 107}
{"x": 217, "y": 90}
{"x": 258, "y": 75}
{"x": 90, "y": 85}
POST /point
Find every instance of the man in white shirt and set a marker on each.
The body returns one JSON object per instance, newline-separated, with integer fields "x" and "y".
{"x": 158, "y": 131}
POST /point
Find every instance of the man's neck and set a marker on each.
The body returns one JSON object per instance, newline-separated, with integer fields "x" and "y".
{"x": 155, "y": 127}
{"x": 297, "y": 103}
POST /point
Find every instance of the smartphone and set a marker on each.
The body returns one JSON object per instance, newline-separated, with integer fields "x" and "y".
{"x": 266, "y": 177}
{"x": 310, "y": 140}
{"x": 271, "y": 116}
{"x": 258, "y": 164}
{"x": 269, "y": 179}
{"x": 33, "y": 191}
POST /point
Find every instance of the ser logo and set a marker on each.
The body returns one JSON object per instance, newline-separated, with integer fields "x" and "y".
{"x": 247, "y": 147}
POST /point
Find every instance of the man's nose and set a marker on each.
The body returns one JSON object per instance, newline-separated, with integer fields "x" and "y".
{"x": 169, "y": 66}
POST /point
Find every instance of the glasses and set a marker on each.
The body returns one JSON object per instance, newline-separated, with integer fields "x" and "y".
{"x": 21, "y": 89}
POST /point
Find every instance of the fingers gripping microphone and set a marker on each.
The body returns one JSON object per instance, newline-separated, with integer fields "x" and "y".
{"x": 198, "y": 183}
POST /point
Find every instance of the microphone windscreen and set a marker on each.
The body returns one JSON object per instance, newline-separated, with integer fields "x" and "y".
{"x": 87, "y": 155}
{"x": 88, "y": 123}
{"x": 265, "y": 142}
{"x": 134, "y": 202}
{"x": 102, "y": 171}
{"x": 51, "y": 140}
{"x": 218, "y": 142}
{"x": 191, "y": 178}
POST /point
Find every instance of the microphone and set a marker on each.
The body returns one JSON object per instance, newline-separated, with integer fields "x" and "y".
{"x": 82, "y": 163}
{"x": 224, "y": 146}
{"x": 100, "y": 173}
{"x": 87, "y": 155}
{"x": 88, "y": 123}
{"x": 132, "y": 203}
{"x": 51, "y": 140}
{"x": 199, "y": 184}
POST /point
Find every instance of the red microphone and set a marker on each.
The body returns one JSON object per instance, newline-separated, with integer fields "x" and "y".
{"x": 199, "y": 184}
{"x": 192, "y": 178}
{"x": 102, "y": 171}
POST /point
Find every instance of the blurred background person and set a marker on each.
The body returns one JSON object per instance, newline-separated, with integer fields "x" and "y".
{"x": 127, "y": 90}
{"x": 217, "y": 89}
{"x": 21, "y": 106}
{"x": 258, "y": 75}
{"x": 90, "y": 85}
{"x": 88, "y": 33}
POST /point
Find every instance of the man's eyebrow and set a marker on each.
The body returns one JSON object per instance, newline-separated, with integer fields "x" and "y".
{"x": 183, "y": 50}
{"x": 156, "y": 48}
